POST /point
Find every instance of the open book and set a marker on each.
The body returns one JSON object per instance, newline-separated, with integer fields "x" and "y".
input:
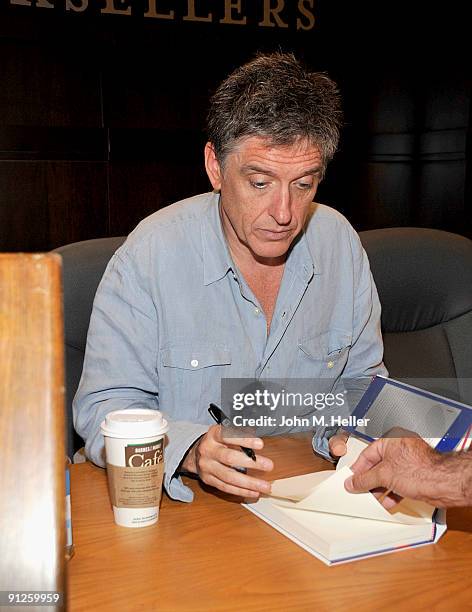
{"x": 318, "y": 514}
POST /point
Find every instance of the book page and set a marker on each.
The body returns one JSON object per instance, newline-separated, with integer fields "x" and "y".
{"x": 330, "y": 496}
{"x": 327, "y": 494}
{"x": 355, "y": 446}
{"x": 298, "y": 487}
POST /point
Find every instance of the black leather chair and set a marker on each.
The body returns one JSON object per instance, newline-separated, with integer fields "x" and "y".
{"x": 83, "y": 265}
{"x": 424, "y": 280}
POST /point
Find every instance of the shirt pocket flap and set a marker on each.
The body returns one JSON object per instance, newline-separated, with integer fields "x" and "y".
{"x": 331, "y": 343}
{"x": 195, "y": 358}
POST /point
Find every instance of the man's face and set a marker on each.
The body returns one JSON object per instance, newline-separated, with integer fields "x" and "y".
{"x": 266, "y": 192}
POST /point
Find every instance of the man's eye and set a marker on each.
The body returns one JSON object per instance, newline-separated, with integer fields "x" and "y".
{"x": 259, "y": 184}
{"x": 305, "y": 186}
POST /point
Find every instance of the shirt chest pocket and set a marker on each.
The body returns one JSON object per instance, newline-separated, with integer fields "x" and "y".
{"x": 324, "y": 355}
{"x": 192, "y": 375}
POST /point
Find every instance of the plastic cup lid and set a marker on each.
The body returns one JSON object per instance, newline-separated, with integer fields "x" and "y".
{"x": 134, "y": 423}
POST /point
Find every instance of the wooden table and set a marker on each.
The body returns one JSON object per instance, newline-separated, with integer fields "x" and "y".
{"x": 215, "y": 555}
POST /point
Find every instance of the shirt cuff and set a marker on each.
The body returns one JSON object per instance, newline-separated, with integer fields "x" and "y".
{"x": 320, "y": 442}
{"x": 182, "y": 435}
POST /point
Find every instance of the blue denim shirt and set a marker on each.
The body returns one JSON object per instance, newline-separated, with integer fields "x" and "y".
{"x": 172, "y": 316}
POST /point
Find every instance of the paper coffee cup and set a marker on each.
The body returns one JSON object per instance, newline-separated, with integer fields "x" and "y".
{"x": 134, "y": 447}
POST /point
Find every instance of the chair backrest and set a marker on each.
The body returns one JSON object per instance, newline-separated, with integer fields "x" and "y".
{"x": 424, "y": 280}
{"x": 83, "y": 265}
{"x": 32, "y": 440}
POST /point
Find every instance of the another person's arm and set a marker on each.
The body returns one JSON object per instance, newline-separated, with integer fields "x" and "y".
{"x": 411, "y": 468}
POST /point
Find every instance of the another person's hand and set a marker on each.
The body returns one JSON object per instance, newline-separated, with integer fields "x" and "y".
{"x": 406, "y": 465}
{"x": 213, "y": 458}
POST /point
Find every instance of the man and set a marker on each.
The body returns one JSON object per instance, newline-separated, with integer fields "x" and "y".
{"x": 409, "y": 467}
{"x": 251, "y": 281}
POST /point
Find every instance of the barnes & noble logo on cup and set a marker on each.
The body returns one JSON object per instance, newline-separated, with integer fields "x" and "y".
{"x": 144, "y": 456}
{"x": 134, "y": 446}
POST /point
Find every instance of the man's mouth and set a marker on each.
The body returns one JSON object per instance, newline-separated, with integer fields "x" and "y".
{"x": 275, "y": 234}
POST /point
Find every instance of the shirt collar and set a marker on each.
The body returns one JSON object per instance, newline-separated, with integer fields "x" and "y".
{"x": 300, "y": 261}
{"x": 217, "y": 259}
{"x": 216, "y": 256}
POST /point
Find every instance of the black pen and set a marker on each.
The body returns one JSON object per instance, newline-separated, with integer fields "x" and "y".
{"x": 220, "y": 417}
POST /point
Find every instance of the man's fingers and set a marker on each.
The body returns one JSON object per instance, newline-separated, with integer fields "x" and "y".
{"x": 226, "y": 487}
{"x": 254, "y": 443}
{"x": 361, "y": 483}
{"x": 391, "y": 500}
{"x": 240, "y": 481}
{"x": 370, "y": 456}
{"x": 216, "y": 462}
{"x": 337, "y": 444}
{"x": 366, "y": 481}
{"x": 232, "y": 457}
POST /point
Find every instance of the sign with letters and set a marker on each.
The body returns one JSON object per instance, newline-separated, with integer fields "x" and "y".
{"x": 294, "y": 14}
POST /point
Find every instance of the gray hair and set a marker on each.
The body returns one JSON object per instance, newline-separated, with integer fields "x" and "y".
{"x": 275, "y": 97}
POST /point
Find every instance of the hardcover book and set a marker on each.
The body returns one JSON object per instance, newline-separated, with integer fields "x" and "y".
{"x": 316, "y": 512}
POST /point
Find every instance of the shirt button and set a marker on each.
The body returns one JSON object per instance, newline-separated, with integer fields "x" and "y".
{"x": 330, "y": 364}
{"x": 194, "y": 363}
{"x": 256, "y": 310}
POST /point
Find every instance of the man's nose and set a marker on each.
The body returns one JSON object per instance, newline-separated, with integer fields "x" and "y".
{"x": 281, "y": 209}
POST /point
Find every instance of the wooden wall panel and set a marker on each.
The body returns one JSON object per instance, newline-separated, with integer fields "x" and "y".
{"x": 48, "y": 84}
{"x": 137, "y": 189}
{"x": 51, "y": 110}
{"x": 164, "y": 96}
{"x": 77, "y": 201}
{"x": 44, "y": 205}
{"x": 23, "y": 206}
{"x": 40, "y": 142}
{"x": 127, "y": 98}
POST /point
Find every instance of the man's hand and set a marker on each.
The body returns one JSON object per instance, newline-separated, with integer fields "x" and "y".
{"x": 337, "y": 444}
{"x": 213, "y": 458}
{"x": 410, "y": 468}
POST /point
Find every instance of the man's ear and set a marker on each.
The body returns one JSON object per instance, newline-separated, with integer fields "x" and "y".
{"x": 212, "y": 167}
